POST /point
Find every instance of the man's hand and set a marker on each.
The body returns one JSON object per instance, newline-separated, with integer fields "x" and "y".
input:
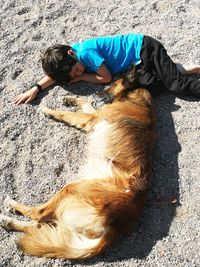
{"x": 102, "y": 76}
{"x": 77, "y": 79}
{"x": 26, "y": 97}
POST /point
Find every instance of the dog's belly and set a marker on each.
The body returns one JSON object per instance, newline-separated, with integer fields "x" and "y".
{"x": 83, "y": 222}
{"x": 98, "y": 165}
{"x": 77, "y": 215}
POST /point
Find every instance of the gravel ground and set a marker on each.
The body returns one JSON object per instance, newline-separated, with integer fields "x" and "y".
{"x": 38, "y": 155}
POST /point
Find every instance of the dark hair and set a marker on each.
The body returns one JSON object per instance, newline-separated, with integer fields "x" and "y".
{"x": 57, "y": 63}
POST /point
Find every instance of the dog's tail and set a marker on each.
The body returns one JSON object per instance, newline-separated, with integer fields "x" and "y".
{"x": 57, "y": 242}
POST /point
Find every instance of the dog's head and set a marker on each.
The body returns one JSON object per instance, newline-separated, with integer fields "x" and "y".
{"x": 128, "y": 81}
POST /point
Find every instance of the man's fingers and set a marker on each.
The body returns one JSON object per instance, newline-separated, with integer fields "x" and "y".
{"x": 25, "y": 98}
{"x": 16, "y": 101}
{"x": 28, "y": 100}
{"x": 16, "y": 98}
{"x": 20, "y": 100}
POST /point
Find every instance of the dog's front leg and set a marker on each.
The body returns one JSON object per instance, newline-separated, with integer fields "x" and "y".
{"x": 85, "y": 105}
{"x": 77, "y": 119}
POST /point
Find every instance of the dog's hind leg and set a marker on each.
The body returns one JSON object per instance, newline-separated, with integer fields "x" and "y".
{"x": 35, "y": 213}
{"x": 10, "y": 205}
{"x": 43, "y": 212}
{"x": 79, "y": 120}
{"x": 14, "y": 224}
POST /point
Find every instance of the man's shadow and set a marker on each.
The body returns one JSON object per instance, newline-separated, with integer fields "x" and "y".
{"x": 155, "y": 223}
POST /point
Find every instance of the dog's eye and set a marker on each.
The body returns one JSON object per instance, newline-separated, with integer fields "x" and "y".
{"x": 115, "y": 84}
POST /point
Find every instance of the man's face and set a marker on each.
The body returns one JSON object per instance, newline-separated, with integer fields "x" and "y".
{"x": 77, "y": 70}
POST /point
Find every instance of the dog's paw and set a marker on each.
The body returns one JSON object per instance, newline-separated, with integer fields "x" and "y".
{"x": 4, "y": 221}
{"x": 70, "y": 101}
{"x": 46, "y": 111}
{"x": 9, "y": 204}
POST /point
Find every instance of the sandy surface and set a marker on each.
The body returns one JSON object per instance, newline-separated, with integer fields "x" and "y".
{"x": 38, "y": 155}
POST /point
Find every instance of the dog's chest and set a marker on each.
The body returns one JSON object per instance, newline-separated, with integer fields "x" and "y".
{"x": 98, "y": 165}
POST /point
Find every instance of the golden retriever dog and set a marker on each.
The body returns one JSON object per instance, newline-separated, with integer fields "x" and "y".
{"x": 85, "y": 216}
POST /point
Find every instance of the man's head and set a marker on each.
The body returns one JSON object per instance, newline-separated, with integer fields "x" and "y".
{"x": 60, "y": 63}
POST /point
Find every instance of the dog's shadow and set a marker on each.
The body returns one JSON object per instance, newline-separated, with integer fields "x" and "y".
{"x": 155, "y": 223}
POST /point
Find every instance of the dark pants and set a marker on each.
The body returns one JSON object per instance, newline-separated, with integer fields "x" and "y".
{"x": 158, "y": 72}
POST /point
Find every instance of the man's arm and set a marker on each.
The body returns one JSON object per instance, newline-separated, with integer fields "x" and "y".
{"x": 103, "y": 75}
{"x": 29, "y": 95}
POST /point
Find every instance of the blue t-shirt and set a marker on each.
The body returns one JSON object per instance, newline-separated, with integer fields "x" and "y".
{"x": 116, "y": 52}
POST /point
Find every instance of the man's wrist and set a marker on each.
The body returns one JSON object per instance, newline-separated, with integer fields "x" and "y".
{"x": 38, "y": 86}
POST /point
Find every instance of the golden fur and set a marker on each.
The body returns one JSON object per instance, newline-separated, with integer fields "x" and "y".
{"x": 85, "y": 216}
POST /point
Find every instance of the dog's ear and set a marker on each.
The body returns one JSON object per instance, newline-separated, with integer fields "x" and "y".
{"x": 130, "y": 76}
{"x": 131, "y": 73}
